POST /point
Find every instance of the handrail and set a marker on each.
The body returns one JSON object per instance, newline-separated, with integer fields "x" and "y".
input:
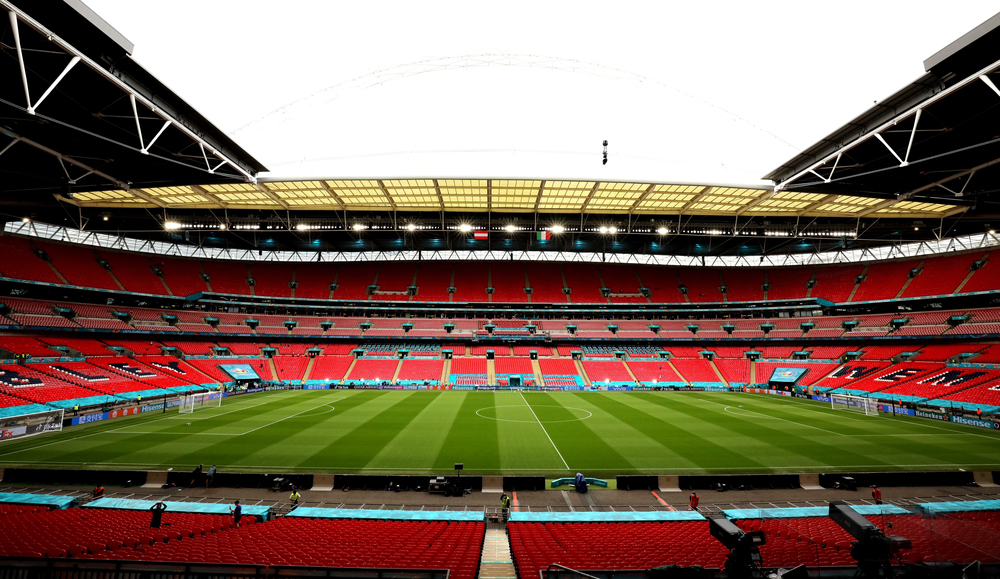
{"x": 565, "y": 568}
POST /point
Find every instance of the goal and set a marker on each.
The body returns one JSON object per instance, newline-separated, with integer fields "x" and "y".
{"x": 857, "y": 403}
{"x": 193, "y": 402}
{"x": 12, "y": 427}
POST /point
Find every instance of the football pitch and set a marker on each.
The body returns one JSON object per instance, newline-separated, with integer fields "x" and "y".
{"x": 514, "y": 433}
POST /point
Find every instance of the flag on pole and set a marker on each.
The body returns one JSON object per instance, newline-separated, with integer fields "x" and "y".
{"x": 543, "y": 235}
{"x": 481, "y": 234}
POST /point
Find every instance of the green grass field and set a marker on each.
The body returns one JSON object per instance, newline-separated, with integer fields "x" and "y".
{"x": 608, "y": 433}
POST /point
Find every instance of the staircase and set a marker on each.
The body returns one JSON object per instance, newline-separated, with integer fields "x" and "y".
{"x": 495, "y": 561}
{"x": 491, "y": 373}
{"x": 309, "y": 369}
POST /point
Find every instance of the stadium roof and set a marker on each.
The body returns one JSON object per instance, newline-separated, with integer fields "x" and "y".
{"x": 78, "y": 113}
{"x": 935, "y": 140}
{"x": 513, "y": 196}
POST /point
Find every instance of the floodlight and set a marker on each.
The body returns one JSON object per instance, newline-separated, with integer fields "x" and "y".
{"x": 167, "y": 225}
{"x": 662, "y": 231}
{"x": 411, "y": 227}
{"x": 991, "y": 231}
{"x": 603, "y": 230}
{"x": 612, "y": 230}
{"x": 465, "y": 227}
{"x": 105, "y": 218}
{"x": 358, "y": 227}
{"x": 222, "y": 226}
{"x": 301, "y": 227}
{"x": 25, "y": 220}
{"x": 557, "y": 229}
{"x": 510, "y": 228}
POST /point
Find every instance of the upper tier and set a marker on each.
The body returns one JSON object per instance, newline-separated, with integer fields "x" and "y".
{"x": 468, "y": 282}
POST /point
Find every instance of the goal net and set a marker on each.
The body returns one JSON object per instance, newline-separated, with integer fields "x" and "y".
{"x": 193, "y": 402}
{"x": 12, "y": 427}
{"x": 857, "y": 403}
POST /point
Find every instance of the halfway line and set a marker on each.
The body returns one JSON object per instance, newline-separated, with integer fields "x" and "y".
{"x": 545, "y": 431}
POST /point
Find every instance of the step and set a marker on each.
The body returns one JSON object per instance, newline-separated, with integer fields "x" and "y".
{"x": 495, "y": 561}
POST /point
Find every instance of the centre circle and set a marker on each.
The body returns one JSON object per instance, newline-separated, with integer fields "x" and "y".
{"x": 534, "y": 414}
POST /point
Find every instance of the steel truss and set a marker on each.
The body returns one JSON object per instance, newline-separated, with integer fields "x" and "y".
{"x": 904, "y": 250}
{"x": 213, "y": 159}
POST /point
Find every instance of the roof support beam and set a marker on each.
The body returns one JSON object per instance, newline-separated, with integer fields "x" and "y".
{"x": 642, "y": 197}
{"x": 694, "y": 199}
{"x": 385, "y": 192}
{"x": 750, "y": 205}
{"x": 878, "y": 207}
{"x": 211, "y": 196}
{"x": 538, "y": 200}
{"x": 819, "y": 202}
{"x": 63, "y": 158}
{"x": 593, "y": 190}
{"x": 893, "y": 121}
{"x": 489, "y": 195}
{"x": 913, "y": 133}
{"x": 989, "y": 83}
{"x": 17, "y": 14}
{"x": 270, "y": 195}
{"x": 938, "y": 183}
{"x": 437, "y": 189}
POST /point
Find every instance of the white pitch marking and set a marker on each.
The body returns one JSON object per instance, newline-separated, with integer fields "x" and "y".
{"x": 292, "y": 416}
{"x": 776, "y": 418}
{"x": 545, "y": 431}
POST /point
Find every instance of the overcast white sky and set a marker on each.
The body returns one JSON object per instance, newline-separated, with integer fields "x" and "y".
{"x": 705, "y": 92}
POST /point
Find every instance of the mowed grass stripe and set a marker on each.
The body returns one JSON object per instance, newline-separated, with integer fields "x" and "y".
{"x": 801, "y": 446}
{"x": 427, "y": 432}
{"x": 682, "y": 448}
{"x": 358, "y": 447}
{"x": 417, "y": 444}
{"x": 579, "y": 444}
{"x": 472, "y": 440}
{"x": 523, "y": 444}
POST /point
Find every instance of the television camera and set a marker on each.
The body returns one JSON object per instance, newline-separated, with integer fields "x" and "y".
{"x": 873, "y": 550}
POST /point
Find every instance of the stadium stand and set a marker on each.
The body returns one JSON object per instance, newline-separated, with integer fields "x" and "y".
{"x": 734, "y": 370}
{"x": 622, "y": 279}
{"x": 985, "y": 278}
{"x": 331, "y": 543}
{"x": 702, "y": 284}
{"x": 272, "y": 279}
{"x": 696, "y": 370}
{"x": 546, "y": 281}
{"x": 584, "y": 280}
{"x": 597, "y": 546}
{"x": 134, "y": 272}
{"x": 835, "y": 282}
{"x": 421, "y": 370}
{"x": 373, "y": 369}
{"x": 788, "y": 283}
{"x": 330, "y": 368}
{"x": 97, "y": 533}
{"x": 290, "y": 368}
{"x": 314, "y": 280}
{"x": 395, "y": 277}
{"x": 939, "y": 275}
{"x": 472, "y": 279}
{"x": 353, "y": 280}
{"x": 610, "y": 371}
{"x": 227, "y": 277}
{"x": 78, "y": 264}
{"x": 883, "y": 280}
{"x": 744, "y": 286}
{"x": 509, "y": 281}
{"x": 182, "y": 276}
{"x": 433, "y": 280}
{"x": 21, "y": 262}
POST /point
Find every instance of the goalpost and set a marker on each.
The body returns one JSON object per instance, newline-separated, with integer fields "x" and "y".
{"x": 857, "y": 403}
{"x": 12, "y": 427}
{"x": 193, "y": 402}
